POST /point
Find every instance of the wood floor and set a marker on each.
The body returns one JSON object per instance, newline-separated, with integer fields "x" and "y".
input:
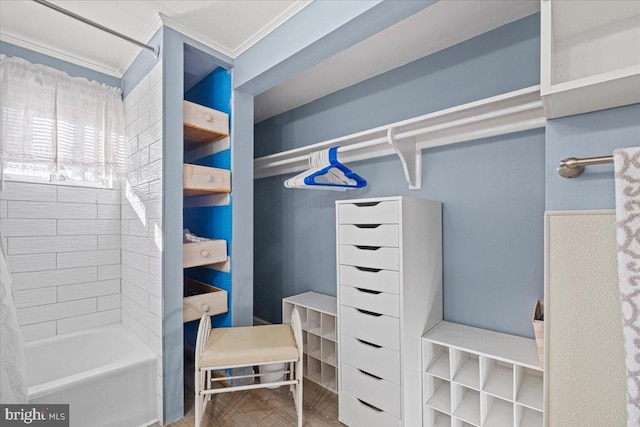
{"x": 266, "y": 407}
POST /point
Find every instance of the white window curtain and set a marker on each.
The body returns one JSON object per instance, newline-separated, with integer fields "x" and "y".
{"x": 55, "y": 127}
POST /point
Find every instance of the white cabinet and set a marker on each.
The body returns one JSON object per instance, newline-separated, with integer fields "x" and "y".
{"x": 389, "y": 255}
{"x": 319, "y": 336}
{"x": 481, "y": 378}
{"x": 590, "y": 55}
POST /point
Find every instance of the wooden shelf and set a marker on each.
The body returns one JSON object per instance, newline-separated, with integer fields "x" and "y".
{"x": 203, "y": 125}
{"x": 204, "y": 180}
{"x": 204, "y": 253}
{"x": 200, "y": 298}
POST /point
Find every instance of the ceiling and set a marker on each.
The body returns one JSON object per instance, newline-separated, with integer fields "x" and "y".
{"x": 242, "y": 24}
{"x": 422, "y": 34}
{"x": 230, "y": 27}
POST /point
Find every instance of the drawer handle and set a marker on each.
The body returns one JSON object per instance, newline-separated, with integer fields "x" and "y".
{"x": 209, "y": 177}
{"x": 370, "y": 375}
{"x": 367, "y": 225}
{"x": 369, "y": 291}
{"x": 369, "y": 270}
{"x": 208, "y": 117}
{"x": 368, "y": 405}
{"x": 366, "y": 204}
{"x": 205, "y": 254}
{"x": 369, "y": 343}
{"x": 369, "y": 313}
{"x": 368, "y": 248}
{"x": 205, "y": 308}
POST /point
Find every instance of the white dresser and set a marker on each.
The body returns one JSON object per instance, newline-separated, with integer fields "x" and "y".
{"x": 389, "y": 255}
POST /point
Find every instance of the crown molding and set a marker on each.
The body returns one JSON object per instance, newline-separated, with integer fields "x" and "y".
{"x": 59, "y": 54}
{"x": 270, "y": 26}
{"x": 151, "y": 30}
{"x": 184, "y": 30}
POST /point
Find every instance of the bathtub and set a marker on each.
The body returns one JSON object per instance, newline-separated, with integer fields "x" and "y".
{"x": 106, "y": 375}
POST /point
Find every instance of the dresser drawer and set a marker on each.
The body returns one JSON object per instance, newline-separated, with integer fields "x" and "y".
{"x": 369, "y": 213}
{"x": 203, "y": 125}
{"x": 376, "y": 301}
{"x": 202, "y": 180}
{"x": 200, "y": 298}
{"x": 356, "y": 412}
{"x": 371, "y": 358}
{"x": 204, "y": 253}
{"x": 370, "y": 278}
{"x": 375, "y": 391}
{"x": 374, "y": 328}
{"x": 369, "y": 234}
{"x": 370, "y": 256}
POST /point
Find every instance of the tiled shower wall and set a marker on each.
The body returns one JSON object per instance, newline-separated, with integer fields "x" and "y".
{"x": 63, "y": 245}
{"x": 141, "y": 224}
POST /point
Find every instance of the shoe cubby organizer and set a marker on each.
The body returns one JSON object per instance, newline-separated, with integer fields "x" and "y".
{"x": 318, "y": 315}
{"x": 475, "y": 377}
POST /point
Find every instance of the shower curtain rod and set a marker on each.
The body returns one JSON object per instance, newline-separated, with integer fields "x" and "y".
{"x": 154, "y": 49}
{"x": 572, "y": 167}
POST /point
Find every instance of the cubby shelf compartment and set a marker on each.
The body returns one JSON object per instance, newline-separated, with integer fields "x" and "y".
{"x": 203, "y": 125}
{"x": 589, "y": 55}
{"x": 480, "y": 378}
{"x": 204, "y": 180}
{"x": 318, "y": 316}
{"x": 436, "y": 418}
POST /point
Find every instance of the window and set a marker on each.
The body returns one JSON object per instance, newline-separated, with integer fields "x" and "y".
{"x": 59, "y": 128}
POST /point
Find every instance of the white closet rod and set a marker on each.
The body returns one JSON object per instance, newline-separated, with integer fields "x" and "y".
{"x": 510, "y": 112}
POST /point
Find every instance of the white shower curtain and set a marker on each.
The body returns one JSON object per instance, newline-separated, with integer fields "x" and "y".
{"x": 627, "y": 167}
{"x": 13, "y": 384}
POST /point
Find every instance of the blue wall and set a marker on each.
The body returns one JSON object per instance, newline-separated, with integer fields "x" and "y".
{"x": 492, "y": 190}
{"x": 588, "y": 135}
{"x": 72, "y": 69}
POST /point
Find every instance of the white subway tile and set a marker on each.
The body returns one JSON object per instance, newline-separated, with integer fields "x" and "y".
{"x": 35, "y": 297}
{"x": 155, "y": 75}
{"x": 131, "y": 115}
{"x": 150, "y": 135}
{"x": 155, "y": 189}
{"x": 137, "y": 160}
{"x": 28, "y": 191}
{"x": 109, "y": 241}
{"x": 35, "y": 262}
{"x": 107, "y": 272}
{"x": 42, "y": 279}
{"x": 135, "y": 260}
{"x": 109, "y": 302}
{"x": 142, "y": 280}
{"x": 134, "y": 95}
{"x": 150, "y": 172}
{"x": 77, "y": 194}
{"x": 3, "y": 209}
{"x": 88, "y": 258}
{"x": 155, "y": 305}
{"x": 151, "y": 100}
{"x": 109, "y": 212}
{"x": 124, "y": 227}
{"x": 38, "y": 331}
{"x": 155, "y": 342}
{"x": 155, "y": 151}
{"x": 137, "y": 295}
{"x": 155, "y": 267}
{"x": 138, "y": 329}
{"x": 149, "y": 246}
{"x": 141, "y": 192}
{"x": 52, "y": 210}
{"x": 28, "y": 227}
{"x": 88, "y": 290}
{"x": 130, "y": 243}
{"x": 130, "y": 307}
{"x": 151, "y": 322}
{"x": 153, "y": 209}
{"x": 43, "y": 313}
{"x": 87, "y": 227}
{"x": 138, "y": 125}
{"x": 109, "y": 197}
{"x": 138, "y": 228}
{"x": 49, "y": 244}
{"x": 132, "y": 177}
{"x": 88, "y": 321}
